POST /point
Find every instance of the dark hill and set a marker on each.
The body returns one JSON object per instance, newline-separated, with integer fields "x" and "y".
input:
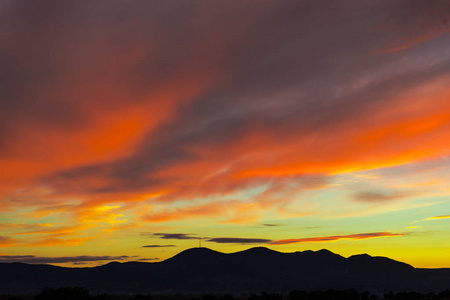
{"x": 253, "y": 270}
{"x": 195, "y": 256}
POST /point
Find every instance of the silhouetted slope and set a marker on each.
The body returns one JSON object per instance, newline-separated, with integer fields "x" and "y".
{"x": 23, "y": 277}
{"x": 255, "y": 269}
{"x": 195, "y": 256}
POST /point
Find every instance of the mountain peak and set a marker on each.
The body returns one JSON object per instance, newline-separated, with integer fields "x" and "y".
{"x": 198, "y": 250}
{"x": 325, "y": 251}
{"x": 260, "y": 250}
{"x": 360, "y": 256}
{"x": 195, "y": 253}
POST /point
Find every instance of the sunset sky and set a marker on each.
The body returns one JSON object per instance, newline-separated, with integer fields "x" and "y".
{"x": 129, "y": 129}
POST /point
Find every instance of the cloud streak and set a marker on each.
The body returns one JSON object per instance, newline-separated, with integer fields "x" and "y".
{"x": 378, "y": 196}
{"x": 7, "y": 241}
{"x": 230, "y": 211}
{"x": 158, "y": 246}
{"x": 225, "y": 240}
{"x": 437, "y": 218}
{"x": 176, "y": 236}
{"x": 31, "y": 259}
{"x": 359, "y": 236}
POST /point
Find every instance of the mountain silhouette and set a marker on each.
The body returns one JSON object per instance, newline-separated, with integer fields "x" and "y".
{"x": 253, "y": 270}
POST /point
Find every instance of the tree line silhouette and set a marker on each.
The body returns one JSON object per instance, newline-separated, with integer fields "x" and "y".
{"x": 80, "y": 293}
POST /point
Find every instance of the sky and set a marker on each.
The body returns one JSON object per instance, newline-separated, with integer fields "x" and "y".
{"x": 131, "y": 129}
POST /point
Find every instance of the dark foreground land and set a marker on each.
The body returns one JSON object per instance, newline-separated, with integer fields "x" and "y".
{"x": 78, "y": 293}
{"x": 201, "y": 271}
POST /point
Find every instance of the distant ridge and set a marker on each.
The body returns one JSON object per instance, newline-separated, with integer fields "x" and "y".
{"x": 252, "y": 270}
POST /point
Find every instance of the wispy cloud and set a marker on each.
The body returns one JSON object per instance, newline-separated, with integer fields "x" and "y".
{"x": 158, "y": 246}
{"x": 176, "y": 236}
{"x": 23, "y": 226}
{"x": 359, "y": 236}
{"x": 227, "y": 211}
{"x": 239, "y": 240}
{"x": 148, "y": 259}
{"x": 219, "y": 240}
{"x": 437, "y": 218}
{"x": 54, "y": 241}
{"x": 104, "y": 214}
{"x": 56, "y": 230}
{"x": 378, "y": 196}
{"x": 31, "y": 259}
{"x": 413, "y": 227}
{"x": 7, "y": 241}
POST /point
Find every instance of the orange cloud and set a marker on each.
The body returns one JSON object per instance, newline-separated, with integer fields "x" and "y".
{"x": 48, "y": 209}
{"x": 121, "y": 227}
{"x": 57, "y": 231}
{"x": 50, "y": 242}
{"x": 227, "y": 211}
{"x": 259, "y": 156}
{"x": 437, "y": 218}
{"x": 103, "y": 214}
{"x": 7, "y": 241}
{"x": 107, "y": 138}
{"x": 109, "y": 121}
{"x": 22, "y": 226}
{"x": 359, "y": 236}
{"x": 408, "y": 133}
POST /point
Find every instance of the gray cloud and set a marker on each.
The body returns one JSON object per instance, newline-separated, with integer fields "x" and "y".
{"x": 220, "y": 240}
{"x": 148, "y": 259}
{"x": 239, "y": 241}
{"x": 31, "y": 259}
{"x": 176, "y": 236}
{"x": 157, "y": 246}
{"x": 378, "y": 196}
